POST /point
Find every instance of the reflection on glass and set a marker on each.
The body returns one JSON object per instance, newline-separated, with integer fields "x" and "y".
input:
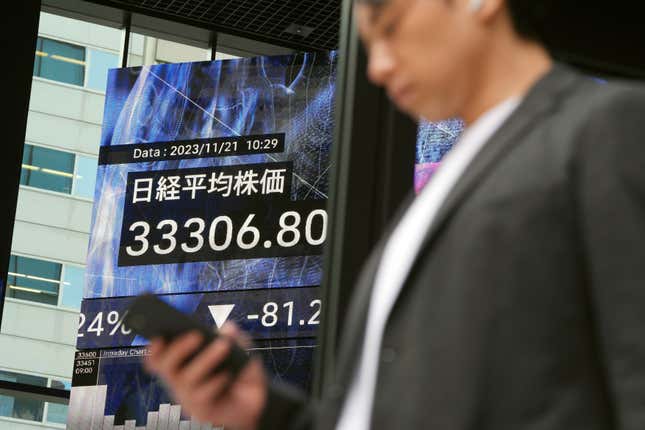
{"x": 47, "y": 168}
{"x": 60, "y": 61}
{"x": 33, "y": 280}
{"x": 97, "y": 71}
{"x": 85, "y": 176}
{"x": 72, "y": 291}
{"x": 21, "y": 407}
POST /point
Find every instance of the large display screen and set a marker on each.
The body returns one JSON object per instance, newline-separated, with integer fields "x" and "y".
{"x": 211, "y": 193}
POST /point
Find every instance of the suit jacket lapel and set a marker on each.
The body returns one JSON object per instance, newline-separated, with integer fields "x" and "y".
{"x": 537, "y": 102}
{"x": 356, "y": 320}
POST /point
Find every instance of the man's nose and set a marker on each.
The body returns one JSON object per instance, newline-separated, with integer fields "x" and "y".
{"x": 381, "y": 64}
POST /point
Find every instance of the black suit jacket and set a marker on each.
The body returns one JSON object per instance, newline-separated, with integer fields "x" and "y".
{"x": 525, "y": 309}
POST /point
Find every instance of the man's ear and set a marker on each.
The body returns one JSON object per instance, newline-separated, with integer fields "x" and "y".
{"x": 486, "y": 9}
{"x": 475, "y": 5}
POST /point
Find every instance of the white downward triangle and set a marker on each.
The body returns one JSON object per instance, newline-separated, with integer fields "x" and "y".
{"x": 220, "y": 313}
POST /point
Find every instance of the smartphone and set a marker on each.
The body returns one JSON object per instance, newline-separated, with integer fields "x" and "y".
{"x": 151, "y": 317}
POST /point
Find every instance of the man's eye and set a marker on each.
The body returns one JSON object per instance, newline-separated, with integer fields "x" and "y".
{"x": 389, "y": 29}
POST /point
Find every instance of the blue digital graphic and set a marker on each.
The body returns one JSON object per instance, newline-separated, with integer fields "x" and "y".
{"x": 434, "y": 141}
{"x": 231, "y": 98}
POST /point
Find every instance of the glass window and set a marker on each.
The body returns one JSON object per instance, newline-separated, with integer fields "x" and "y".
{"x": 97, "y": 69}
{"x": 56, "y": 412}
{"x": 33, "y": 280}
{"x": 47, "y": 168}
{"x": 60, "y": 61}
{"x": 22, "y": 407}
{"x": 72, "y": 286}
{"x": 85, "y": 176}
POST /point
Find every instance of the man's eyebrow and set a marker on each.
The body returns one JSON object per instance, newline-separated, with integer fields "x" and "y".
{"x": 375, "y": 8}
{"x": 377, "y": 13}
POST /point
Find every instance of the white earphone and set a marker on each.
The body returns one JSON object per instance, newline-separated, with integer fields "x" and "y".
{"x": 475, "y": 5}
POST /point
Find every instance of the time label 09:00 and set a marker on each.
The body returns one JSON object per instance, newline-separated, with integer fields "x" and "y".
{"x": 221, "y": 234}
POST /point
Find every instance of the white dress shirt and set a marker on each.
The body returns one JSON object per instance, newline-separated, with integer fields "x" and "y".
{"x": 399, "y": 255}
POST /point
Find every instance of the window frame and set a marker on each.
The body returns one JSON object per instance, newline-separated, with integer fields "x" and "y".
{"x": 61, "y": 288}
{"x": 41, "y": 37}
{"x": 58, "y": 294}
{"x": 51, "y": 148}
{"x": 88, "y": 48}
{"x": 74, "y": 173}
{"x": 40, "y": 392}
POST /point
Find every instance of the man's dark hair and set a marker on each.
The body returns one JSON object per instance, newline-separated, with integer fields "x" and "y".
{"x": 529, "y": 16}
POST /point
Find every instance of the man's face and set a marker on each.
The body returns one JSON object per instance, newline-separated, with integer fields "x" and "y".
{"x": 422, "y": 52}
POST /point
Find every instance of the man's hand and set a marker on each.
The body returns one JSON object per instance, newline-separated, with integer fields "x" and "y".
{"x": 206, "y": 397}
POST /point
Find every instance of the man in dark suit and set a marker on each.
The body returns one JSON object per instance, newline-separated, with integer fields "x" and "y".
{"x": 511, "y": 293}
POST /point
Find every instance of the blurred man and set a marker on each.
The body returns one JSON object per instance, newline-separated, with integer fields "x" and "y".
{"x": 511, "y": 293}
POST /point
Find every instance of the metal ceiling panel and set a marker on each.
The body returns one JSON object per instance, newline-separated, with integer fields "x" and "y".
{"x": 272, "y": 21}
